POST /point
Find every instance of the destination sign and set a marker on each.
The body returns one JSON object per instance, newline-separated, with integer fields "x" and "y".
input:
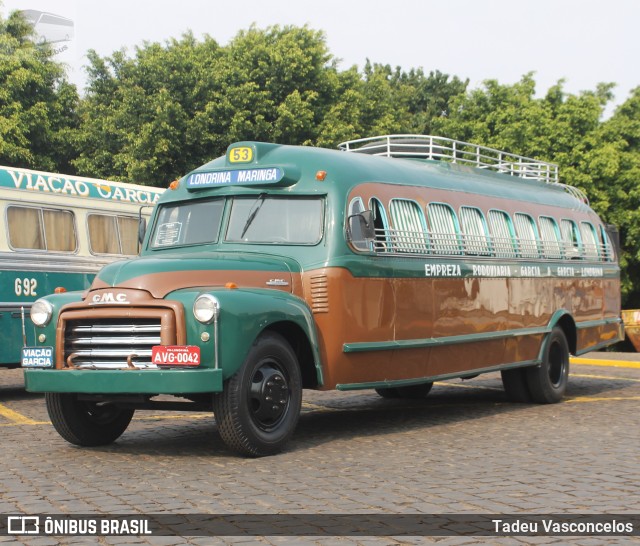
{"x": 240, "y": 177}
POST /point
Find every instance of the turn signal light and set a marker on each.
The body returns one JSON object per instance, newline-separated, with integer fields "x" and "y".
{"x": 59, "y": 290}
{"x": 321, "y": 175}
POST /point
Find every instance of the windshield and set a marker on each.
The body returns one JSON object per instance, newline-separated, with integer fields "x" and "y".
{"x": 275, "y": 220}
{"x": 255, "y": 219}
{"x": 193, "y": 223}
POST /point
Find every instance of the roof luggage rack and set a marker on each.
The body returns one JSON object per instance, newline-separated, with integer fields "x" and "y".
{"x": 465, "y": 153}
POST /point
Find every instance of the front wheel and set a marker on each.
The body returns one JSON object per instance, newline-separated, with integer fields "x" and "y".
{"x": 86, "y": 423}
{"x": 548, "y": 382}
{"x": 259, "y": 407}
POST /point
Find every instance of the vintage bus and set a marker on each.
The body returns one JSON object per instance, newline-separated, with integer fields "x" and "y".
{"x": 58, "y": 231}
{"x": 278, "y": 268}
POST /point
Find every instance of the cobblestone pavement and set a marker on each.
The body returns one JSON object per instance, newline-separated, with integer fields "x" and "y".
{"x": 464, "y": 449}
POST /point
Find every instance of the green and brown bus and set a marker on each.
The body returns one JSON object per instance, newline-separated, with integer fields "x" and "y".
{"x": 392, "y": 263}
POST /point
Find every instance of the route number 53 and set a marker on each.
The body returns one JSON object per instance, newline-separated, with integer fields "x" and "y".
{"x": 242, "y": 154}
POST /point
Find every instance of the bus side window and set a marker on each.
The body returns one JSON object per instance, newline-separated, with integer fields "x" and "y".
{"x": 25, "y": 228}
{"x": 103, "y": 234}
{"x": 527, "y": 233}
{"x": 589, "y": 240}
{"x": 358, "y": 240}
{"x": 381, "y": 225}
{"x": 550, "y": 238}
{"x": 128, "y": 231}
{"x": 42, "y": 229}
{"x": 475, "y": 234}
{"x": 445, "y": 229}
{"x": 502, "y": 234}
{"x": 607, "y": 249}
{"x": 571, "y": 239}
{"x": 409, "y": 227}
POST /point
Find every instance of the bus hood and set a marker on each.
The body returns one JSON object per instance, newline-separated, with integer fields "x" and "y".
{"x": 162, "y": 275}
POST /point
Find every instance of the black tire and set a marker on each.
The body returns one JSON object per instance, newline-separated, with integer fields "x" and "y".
{"x": 388, "y": 392}
{"x": 548, "y": 382}
{"x": 86, "y": 423}
{"x": 258, "y": 410}
{"x": 515, "y": 385}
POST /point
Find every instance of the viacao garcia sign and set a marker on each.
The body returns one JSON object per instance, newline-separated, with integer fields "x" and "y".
{"x": 41, "y": 182}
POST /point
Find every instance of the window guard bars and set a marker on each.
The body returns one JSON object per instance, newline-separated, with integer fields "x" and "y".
{"x": 420, "y": 243}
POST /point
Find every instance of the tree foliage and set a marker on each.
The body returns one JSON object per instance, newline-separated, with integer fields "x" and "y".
{"x": 37, "y": 104}
{"x": 176, "y": 105}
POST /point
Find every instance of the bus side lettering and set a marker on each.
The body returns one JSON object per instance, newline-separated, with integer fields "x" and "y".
{"x": 26, "y": 287}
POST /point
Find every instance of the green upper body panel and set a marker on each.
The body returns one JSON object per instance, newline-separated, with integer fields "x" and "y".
{"x": 295, "y": 169}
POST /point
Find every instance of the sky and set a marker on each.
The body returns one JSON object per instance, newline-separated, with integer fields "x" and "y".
{"x": 583, "y": 42}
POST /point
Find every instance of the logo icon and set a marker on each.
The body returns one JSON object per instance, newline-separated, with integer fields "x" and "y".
{"x": 23, "y": 525}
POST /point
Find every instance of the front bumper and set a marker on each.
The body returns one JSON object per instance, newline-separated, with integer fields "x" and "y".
{"x": 124, "y": 381}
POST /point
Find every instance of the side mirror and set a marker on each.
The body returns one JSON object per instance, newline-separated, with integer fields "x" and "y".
{"x": 142, "y": 229}
{"x": 142, "y": 226}
{"x": 360, "y": 230}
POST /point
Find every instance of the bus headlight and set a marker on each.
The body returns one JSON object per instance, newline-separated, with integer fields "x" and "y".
{"x": 41, "y": 312}
{"x": 206, "y": 308}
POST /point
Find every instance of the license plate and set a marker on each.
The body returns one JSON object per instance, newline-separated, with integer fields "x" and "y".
{"x": 175, "y": 355}
{"x": 37, "y": 357}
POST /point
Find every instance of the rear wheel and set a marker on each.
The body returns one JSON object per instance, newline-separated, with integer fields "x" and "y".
{"x": 259, "y": 407}
{"x": 548, "y": 382}
{"x": 86, "y": 423}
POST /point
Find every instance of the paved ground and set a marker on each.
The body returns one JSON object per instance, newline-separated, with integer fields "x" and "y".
{"x": 464, "y": 449}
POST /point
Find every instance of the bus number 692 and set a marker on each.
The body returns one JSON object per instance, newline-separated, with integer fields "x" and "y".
{"x": 26, "y": 287}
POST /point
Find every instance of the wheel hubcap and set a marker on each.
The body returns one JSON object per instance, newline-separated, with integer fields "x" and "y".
{"x": 101, "y": 414}
{"x": 268, "y": 396}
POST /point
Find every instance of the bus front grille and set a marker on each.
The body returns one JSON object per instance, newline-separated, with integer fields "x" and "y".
{"x": 111, "y": 343}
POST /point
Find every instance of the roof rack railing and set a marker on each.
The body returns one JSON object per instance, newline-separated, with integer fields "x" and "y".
{"x": 457, "y": 151}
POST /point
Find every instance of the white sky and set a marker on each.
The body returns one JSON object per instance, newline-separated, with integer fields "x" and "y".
{"x": 582, "y": 41}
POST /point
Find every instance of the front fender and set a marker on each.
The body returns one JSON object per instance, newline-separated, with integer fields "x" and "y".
{"x": 244, "y": 315}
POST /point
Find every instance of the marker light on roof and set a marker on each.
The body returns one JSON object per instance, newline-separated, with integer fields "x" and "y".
{"x": 174, "y": 185}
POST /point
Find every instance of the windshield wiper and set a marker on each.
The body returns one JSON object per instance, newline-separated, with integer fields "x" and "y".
{"x": 258, "y": 204}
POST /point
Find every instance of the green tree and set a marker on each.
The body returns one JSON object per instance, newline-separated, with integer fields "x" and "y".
{"x": 37, "y": 103}
{"x": 175, "y": 106}
{"x": 136, "y": 116}
{"x": 616, "y": 160}
{"x": 382, "y": 100}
